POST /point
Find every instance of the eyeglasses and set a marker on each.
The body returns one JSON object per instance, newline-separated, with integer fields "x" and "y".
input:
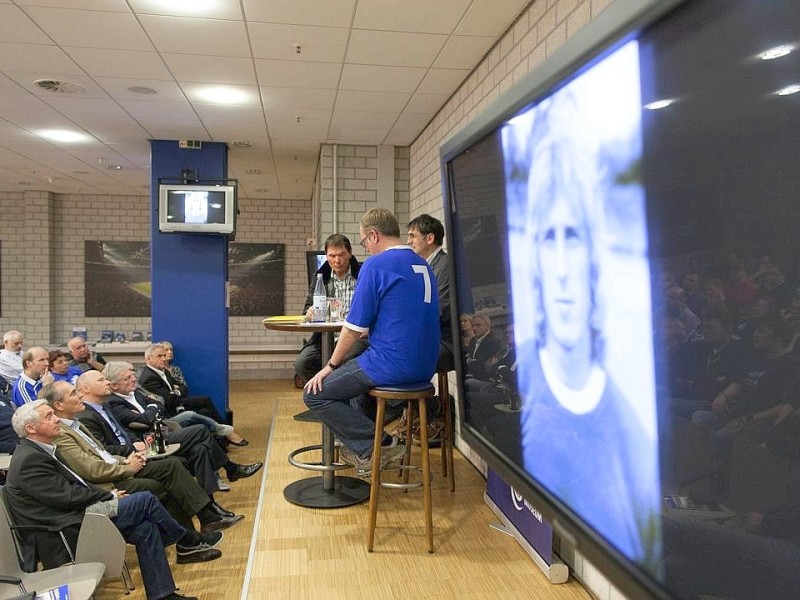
{"x": 363, "y": 241}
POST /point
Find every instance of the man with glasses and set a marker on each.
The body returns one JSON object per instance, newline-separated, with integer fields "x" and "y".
{"x": 396, "y": 303}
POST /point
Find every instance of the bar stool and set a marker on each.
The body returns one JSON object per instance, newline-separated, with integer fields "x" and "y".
{"x": 446, "y": 440}
{"x": 414, "y": 395}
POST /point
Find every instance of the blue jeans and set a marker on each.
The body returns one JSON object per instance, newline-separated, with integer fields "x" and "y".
{"x": 189, "y": 417}
{"x": 337, "y": 405}
{"x": 145, "y": 523}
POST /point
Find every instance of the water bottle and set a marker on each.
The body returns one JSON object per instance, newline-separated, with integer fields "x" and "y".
{"x": 158, "y": 434}
{"x": 320, "y": 301}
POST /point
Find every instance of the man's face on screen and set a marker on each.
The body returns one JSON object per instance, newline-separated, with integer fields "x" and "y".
{"x": 564, "y": 268}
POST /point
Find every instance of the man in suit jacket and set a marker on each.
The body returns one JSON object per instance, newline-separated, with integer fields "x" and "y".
{"x": 426, "y": 236}
{"x": 43, "y": 492}
{"x": 169, "y": 471}
{"x": 137, "y": 413}
{"x": 482, "y": 348}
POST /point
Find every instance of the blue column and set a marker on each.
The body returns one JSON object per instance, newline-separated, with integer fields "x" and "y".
{"x": 189, "y": 275}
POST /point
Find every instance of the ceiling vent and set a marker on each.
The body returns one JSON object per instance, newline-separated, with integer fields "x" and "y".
{"x": 58, "y": 87}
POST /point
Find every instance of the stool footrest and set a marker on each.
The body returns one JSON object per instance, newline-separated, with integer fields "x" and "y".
{"x": 405, "y": 486}
{"x": 313, "y": 466}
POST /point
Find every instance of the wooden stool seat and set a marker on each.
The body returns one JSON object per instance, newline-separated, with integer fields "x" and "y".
{"x": 415, "y": 395}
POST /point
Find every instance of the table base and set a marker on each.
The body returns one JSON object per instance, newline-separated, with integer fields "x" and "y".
{"x": 310, "y": 493}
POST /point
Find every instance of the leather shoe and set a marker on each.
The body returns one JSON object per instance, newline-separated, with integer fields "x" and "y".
{"x": 199, "y": 556}
{"x": 242, "y": 443}
{"x": 242, "y": 471}
{"x": 177, "y": 596}
{"x": 221, "y": 523}
{"x": 220, "y": 511}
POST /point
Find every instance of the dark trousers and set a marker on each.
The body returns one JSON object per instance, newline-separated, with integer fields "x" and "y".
{"x": 201, "y": 450}
{"x": 145, "y": 523}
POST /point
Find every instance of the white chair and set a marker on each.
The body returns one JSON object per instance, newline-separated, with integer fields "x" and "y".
{"x": 100, "y": 541}
{"x": 81, "y": 578}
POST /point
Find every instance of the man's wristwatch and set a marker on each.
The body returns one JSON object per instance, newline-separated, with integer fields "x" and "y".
{"x": 332, "y": 366}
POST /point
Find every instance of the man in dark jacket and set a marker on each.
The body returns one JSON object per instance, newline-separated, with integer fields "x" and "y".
{"x": 339, "y": 275}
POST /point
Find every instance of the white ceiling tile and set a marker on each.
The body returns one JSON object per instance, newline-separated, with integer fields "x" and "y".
{"x": 363, "y": 100}
{"x": 194, "y": 93}
{"x": 440, "y": 16}
{"x": 212, "y": 69}
{"x": 9, "y": 87}
{"x": 289, "y": 116}
{"x": 282, "y": 73}
{"x": 159, "y": 112}
{"x": 219, "y": 9}
{"x": 309, "y": 132}
{"x": 326, "y": 13}
{"x": 317, "y": 44}
{"x": 227, "y": 131}
{"x": 9, "y": 131}
{"x": 36, "y": 58}
{"x": 387, "y": 79}
{"x": 490, "y": 17}
{"x": 442, "y": 81}
{"x": 133, "y": 64}
{"x": 463, "y": 52}
{"x": 294, "y": 147}
{"x": 15, "y": 26}
{"x": 426, "y": 103}
{"x": 345, "y": 119}
{"x": 415, "y": 121}
{"x": 119, "y": 89}
{"x": 205, "y": 37}
{"x": 358, "y": 135}
{"x": 178, "y": 131}
{"x": 278, "y": 97}
{"x": 394, "y": 48}
{"x": 108, "y": 29}
{"x": 232, "y": 114}
{"x": 103, "y": 5}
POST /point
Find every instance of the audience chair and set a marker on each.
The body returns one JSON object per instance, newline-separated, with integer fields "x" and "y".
{"x": 82, "y": 579}
{"x": 415, "y": 396}
{"x": 100, "y": 541}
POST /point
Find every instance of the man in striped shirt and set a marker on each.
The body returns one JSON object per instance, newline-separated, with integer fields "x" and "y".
{"x": 35, "y": 373}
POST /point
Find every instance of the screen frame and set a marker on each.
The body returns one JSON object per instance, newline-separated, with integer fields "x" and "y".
{"x": 228, "y": 227}
{"x": 622, "y": 21}
{"x": 311, "y": 262}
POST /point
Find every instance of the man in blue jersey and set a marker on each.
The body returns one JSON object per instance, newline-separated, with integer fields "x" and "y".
{"x": 35, "y": 373}
{"x": 396, "y": 303}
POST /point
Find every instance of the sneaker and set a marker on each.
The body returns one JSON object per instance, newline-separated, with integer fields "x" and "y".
{"x": 203, "y": 551}
{"x": 435, "y": 431}
{"x": 400, "y": 429}
{"x": 363, "y": 466}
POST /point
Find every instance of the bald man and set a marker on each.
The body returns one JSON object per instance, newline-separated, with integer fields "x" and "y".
{"x": 83, "y": 357}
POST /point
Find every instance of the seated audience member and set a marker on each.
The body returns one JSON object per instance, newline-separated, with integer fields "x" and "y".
{"x": 60, "y": 368}
{"x": 83, "y": 357}
{"x": 481, "y": 348}
{"x": 708, "y": 367}
{"x": 156, "y": 379}
{"x": 675, "y": 306}
{"x": 740, "y": 289}
{"x": 393, "y": 288}
{"x": 174, "y": 370}
{"x": 715, "y": 292}
{"x": 137, "y": 413}
{"x": 8, "y": 438}
{"x": 45, "y": 494}
{"x": 10, "y": 359}
{"x": 339, "y": 274}
{"x": 97, "y": 462}
{"x": 467, "y": 332}
{"x": 760, "y": 309}
{"x": 695, "y": 297}
{"x": 35, "y": 373}
{"x": 768, "y": 380}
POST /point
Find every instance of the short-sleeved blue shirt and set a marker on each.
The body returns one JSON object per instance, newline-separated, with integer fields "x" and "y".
{"x": 396, "y": 301}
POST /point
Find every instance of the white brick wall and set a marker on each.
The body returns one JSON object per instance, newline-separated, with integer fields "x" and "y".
{"x": 537, "y": 33}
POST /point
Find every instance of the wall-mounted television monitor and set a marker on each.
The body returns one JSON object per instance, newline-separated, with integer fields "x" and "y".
{"x": 314, "y": 260}
{"x": 190, "y": 208}
{"x": 639, "y": 194}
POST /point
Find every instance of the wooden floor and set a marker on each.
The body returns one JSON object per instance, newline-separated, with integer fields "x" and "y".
{"x": 304, "y": 553}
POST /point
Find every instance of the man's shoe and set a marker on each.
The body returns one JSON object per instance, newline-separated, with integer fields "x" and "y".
{"x": 220, "y": 511}
{"x": 222, "y": 486}
{"x": 363, "y": 466}
{"x": 242, "y": 471}
{"x": 204, "y": 554}
{"x": 221, "y": 523}
{"x": 177, "y": 596}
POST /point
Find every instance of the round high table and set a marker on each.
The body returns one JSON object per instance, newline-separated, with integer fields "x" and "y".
{"x": 328, "y": 490}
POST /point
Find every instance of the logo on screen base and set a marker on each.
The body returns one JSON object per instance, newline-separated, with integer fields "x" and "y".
{"x": 520, "y": 503}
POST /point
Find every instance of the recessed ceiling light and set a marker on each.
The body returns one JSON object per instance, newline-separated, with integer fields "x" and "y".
{"x": 242, "y": 144}
{"x": 261, "y": 190}
{"x": 659, "y": 104}
{"x": 186, "y": 7}
{"x": 789, "y": 90}
{"x": 254, "y": 171}
{"x": 140, "y": 89}
{"x": 58, "y": 87}
{"x": 62, "y": 135}
{"x": 114, "y": 167}
{"x": 776, "y": 52}
{"x": 24, "y": 183}
{"x": 222, "y": 95}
